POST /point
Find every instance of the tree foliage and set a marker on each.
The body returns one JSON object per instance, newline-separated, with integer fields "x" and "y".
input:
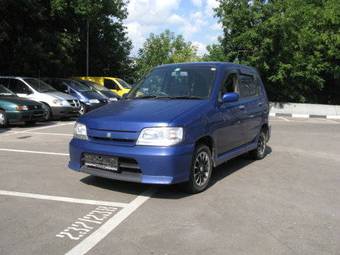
{"x": 164, "y": 48}
{"x": 48, "y": 38}
{"x": 294, "y": 43}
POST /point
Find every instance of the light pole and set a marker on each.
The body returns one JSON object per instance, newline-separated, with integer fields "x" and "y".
{"x": 87, "y": 46}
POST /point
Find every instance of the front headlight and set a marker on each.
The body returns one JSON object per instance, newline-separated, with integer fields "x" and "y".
{"x": 22, "y": 108}
{"x": 80, "y": 131}
{"x": 94, "y": 101}
{"x": 160, "y": 136}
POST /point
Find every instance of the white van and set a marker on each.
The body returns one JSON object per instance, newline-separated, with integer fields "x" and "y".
{"x": 58, "y": 104}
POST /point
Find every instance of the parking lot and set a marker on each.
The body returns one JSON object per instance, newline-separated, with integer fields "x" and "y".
{"x": 288, "y": 203}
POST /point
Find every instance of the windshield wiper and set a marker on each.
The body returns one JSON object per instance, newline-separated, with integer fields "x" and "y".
{"x": 187, "y": 97}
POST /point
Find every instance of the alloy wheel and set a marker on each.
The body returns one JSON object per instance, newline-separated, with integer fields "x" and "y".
{"x": 202, "y": 168}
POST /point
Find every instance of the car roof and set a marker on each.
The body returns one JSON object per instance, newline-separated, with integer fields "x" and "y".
{"x": 211, "y": 63}
{"x": 18, "y": 77}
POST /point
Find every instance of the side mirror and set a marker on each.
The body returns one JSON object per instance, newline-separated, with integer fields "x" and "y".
{"x": 230, "y": 97}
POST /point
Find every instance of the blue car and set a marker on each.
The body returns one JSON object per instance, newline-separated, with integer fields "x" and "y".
{"x": 177, "y": 124}
{"x": 89, "y": 98}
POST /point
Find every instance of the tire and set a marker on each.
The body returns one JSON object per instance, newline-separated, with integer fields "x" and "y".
{"x": 260, "y": 151}
{"x": 82, "y": 109}
{"x": 3, "y": 119}
{"x": 200, "y": 172}
{"x": 48, "y": 115}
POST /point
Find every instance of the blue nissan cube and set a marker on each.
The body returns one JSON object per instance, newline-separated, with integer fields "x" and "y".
{"x": 177, "y": 124}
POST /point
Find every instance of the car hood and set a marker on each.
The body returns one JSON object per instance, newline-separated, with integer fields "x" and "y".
{"x": 18, "y": 100}
{"x": 60, "y": 95}
{"x": 134, "y": 115}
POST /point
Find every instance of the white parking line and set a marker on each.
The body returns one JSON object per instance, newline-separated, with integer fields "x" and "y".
{"x": 35, "y": 152}
{"x": 93, "y": 239}
{"x": 38, "y": 128}
{"x": 61, "y": 199}
{"x": 57, "y": 134}
{"x": 283, "y": 118}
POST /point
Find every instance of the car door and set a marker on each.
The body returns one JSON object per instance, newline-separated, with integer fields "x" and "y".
{"x": 229, "y": 133}
{"x": 20, "y": 88}
{"x": 254, "y": 102}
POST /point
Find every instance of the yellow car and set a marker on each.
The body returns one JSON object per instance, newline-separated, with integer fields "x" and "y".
{"x": 117, "y": 85}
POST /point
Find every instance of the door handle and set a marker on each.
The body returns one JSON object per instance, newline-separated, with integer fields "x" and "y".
{"x": 260, "y": 104}
{"x": 241, "y": 107}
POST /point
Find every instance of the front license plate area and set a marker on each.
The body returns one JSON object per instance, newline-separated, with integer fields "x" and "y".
{"x": 103, "y": 162}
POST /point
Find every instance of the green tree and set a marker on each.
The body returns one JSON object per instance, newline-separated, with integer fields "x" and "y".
{"x": 164, "y": 48}
{"x": 49, "y": 37}
{"x": 294, "y": 43}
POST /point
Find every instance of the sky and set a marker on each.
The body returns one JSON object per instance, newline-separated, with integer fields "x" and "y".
{"x": 194, "y": 19}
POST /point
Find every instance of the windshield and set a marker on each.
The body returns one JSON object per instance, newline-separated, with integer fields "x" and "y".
{"x": 39, "y": 85}
{"x": 78, "y": 85}
{"x": 124, "y": 83}
{"x": 94, "y": 85}
{"x": 5, "y": 91}
{"x": 187, "y": 82}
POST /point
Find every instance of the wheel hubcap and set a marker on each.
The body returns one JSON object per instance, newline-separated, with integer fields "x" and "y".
{"x": 261, "y": 144}
{"x": 82, "y": 110}
{"x": 202, "y": 167}
{"x": 2, "y": 119}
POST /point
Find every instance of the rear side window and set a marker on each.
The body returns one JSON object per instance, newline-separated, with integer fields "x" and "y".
{"x": 4, "y": 82}
{"x": 248, "y": 86}
{"x": 18, "y": 87}
{"x": 110, "y": 84}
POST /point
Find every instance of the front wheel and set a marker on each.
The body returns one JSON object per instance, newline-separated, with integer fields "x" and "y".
{"x": 201, "y": 169}
{"x": 82, "y": 109}
{"x": 260, "y": 151}
{"x": 3, "y": 119}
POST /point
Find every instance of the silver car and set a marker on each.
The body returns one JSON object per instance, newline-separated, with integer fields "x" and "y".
{"x": 58, "y": 104}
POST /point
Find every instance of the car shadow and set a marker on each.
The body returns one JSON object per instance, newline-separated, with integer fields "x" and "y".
{"x": 170, "y": 191}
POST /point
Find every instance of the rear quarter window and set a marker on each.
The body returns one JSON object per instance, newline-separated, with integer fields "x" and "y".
{"x": 248, "y": 86}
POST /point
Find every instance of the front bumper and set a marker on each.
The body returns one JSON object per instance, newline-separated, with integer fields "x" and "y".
{"x": 156, "y": 165}
{"x": 30, "y": 115}
{"x": 64, "y": 111}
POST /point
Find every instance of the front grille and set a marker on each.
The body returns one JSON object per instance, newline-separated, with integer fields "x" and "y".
{"x": 116, "y": 140}
{"x": 124, "y": 138}
{"x": 74, "y": 103}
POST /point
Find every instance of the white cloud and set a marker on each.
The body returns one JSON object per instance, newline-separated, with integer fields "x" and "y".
{"x": 209, "y": 8}
{"x": 197, "y": 3}
{"x": 196, "y": 22}
{"x": 201, "y": 47}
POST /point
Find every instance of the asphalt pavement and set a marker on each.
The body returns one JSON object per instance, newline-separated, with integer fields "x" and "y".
{"x": 287, "y": 203}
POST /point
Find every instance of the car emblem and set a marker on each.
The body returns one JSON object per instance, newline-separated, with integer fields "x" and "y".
{"x": 108, "y": 135}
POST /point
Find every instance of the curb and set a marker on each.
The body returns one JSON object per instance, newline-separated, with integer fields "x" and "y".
{"x": 306, "y": 116}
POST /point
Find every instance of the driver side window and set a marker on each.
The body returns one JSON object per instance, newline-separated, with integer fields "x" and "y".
{"x": 229, "y": 85}
{"x": 19, "y": 87}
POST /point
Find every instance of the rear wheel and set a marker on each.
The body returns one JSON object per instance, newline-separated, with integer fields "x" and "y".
{"x": 201, "y": 169}
{"x": 260, "y": 151}
{"x": 3, "y": 119}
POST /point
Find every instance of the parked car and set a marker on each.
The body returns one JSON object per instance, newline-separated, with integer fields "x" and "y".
{"x": 89, "y": 98}
{"x": 14, "y": 109}
{"x": 117, "y": 85}
{"x": 57, "y": 104}
{"x": 175, "y": 126}
{"x": 109, "y": 94}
